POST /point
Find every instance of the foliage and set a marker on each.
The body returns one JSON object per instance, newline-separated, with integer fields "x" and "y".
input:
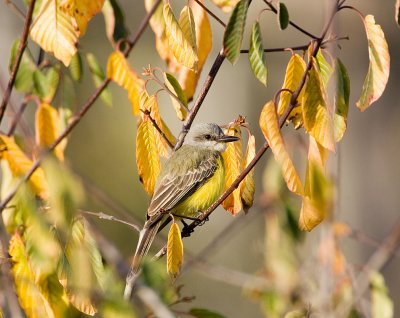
{"x": 59, "y": 268}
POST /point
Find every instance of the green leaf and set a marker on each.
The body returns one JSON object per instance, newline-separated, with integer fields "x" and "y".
{"x": 325, "y": 68}
{"x": 68, "y": 96}
{"x": 381, "y": 304}
{"x": 46, "y": 84}
{"x": 24, "y": 79}
{"x": 204, "y": 313}
{"x": 341, "y": 100}
{"x": 98, "y": 77}
{"x": 174, "y": 86}
{"x": 233, "y": 35}
{"x": 283, "y": 16}
{"x": 379, "y": 64}
{"x": 117, "y": 308}
{"x": 256, "y": 54}
{"x": 75, "y": 67}
{"x": 115, "y": 21}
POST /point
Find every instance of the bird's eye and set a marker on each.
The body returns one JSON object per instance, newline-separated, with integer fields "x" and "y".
{"x": 208, "y": 137}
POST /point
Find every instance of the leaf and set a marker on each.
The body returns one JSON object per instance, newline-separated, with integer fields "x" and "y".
{"x": 233, "y": 164}
{"x": 147, "y": 159}
{"x": 397, "y": 12}
{"x": 31, "y": 287}
{"x": 174, "y": 251}
{"x": 174, "y": 86}
{"x": 381, "y": 304}
{"x": 247, "y": 185}
{"x": 341, "y": 100}
{"x": 53, "y": 30}
{"x": 233, "y": 35}
{"x": 226, "y": 5}
{"x": 47, "y": 128}
{"x": 20, "y": 164}
{"x": 117, "y": 308}
{"x": 157, "y": 22}
{"x": 379, "y": 64}
{"x": 82, "y": 11}
{"x": 98, "y": 77}
{"x": 75, "y": 67}
{"x": 270, "y": 128}
{"x": 120, "y": 72}
{"x": 283, "y": 16}
{"x": 204, "y": 313}
{"x": 179, "y": 44}
{"x": 150, "y": 104}
{"x": 317, "y": 119}
{"x": 294, "y": 72}
{"x": 318, "y": 193}
{"x": 46, "y": 84}
{"x": 187, "y": 24}
{"x": 187, "y": 77}
{"x": 325, "y": 68}
{"x": 257, "y": 57}
{"x": 24, "y": 78}
{"x": 115, "y": 22}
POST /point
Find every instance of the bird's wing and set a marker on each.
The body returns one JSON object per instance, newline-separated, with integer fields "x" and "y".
{"x": 172, "y": 189}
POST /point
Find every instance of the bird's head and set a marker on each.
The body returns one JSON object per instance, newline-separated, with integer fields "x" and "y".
{"x": 210, "y": 136}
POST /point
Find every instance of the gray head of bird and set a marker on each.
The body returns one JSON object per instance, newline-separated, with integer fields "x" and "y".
{"x": 209, "y": 136}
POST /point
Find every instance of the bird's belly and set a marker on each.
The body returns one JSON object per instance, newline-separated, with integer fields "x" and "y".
{"x": 204, "y": 196}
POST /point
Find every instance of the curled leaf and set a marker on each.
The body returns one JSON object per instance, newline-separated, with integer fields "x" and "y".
{"x": 174, "y": 251}
{"x": 233, "y": 35}
{"x": 179, "y": 44}
{"x": 379, "y": 64}
{"x": 341, "y": 100}
{"x": 115, "y": 21}
{"x": 256, "y": 54}
{"x": 233, "y": 165}
{"x": 120, "y": 72}
{"x": 270, "y": 128}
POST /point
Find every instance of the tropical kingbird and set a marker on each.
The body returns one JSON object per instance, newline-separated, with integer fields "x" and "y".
{"x": 190, "y": 181}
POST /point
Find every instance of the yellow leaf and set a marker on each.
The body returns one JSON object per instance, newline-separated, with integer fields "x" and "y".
{"x": 47, "y": 128}
{"x": 379, "y": 64}
{"x": 53, "y": 30}
{"x": 318, "y": 193}
{"x": 20, "y": 164}
{"x": 174, "y": 251}
{"x": 34, "y": 292}
{"x": 187, "y": 24}
{"x": 270, "y": 128}
{"x": 177, "y": 41}
{"x": 157, "y": 19}
{"x": 166, "y": 54}
{"x": 294, "y": 72}
{"x": 147, "y": 157}
{"x": 317, "y": 119}
{"x": 120, "y": 72}
{"x": 82, "y": 11}
{"x": 233, "y": 164}
{"x": 150, "y": 104}
{"x": 247, "y": 185}
{"x": 187, "y": 77}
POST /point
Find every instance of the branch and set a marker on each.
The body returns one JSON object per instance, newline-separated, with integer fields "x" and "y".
{"x": 158, "y": 128}
{"x": 77, "y": 118}
{"x": 18, "y": 58}
{"x": 274, "y": 10}
{"x": 104, "y": 216}
{"x": 210, "y": 13}
{"x": 282, "y": 49}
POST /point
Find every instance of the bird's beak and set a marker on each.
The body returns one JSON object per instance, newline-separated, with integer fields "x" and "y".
{"x": 226, "y": 138}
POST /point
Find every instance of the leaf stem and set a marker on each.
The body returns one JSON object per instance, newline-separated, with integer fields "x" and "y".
{"x": 18, "y": 58}
{"x": 85, "y": 108}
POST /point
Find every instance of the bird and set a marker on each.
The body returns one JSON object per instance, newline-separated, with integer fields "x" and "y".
{"x": 189, "y": 182}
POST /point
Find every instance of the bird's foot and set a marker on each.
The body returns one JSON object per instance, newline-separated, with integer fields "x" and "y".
{"x": 201, "y": 219}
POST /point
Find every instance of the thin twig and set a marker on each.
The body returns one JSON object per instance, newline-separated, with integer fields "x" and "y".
{"x": 210, "y": 13}
{"x": 18, "y": 58}
{"x": 104, "y": 216}
{"x": 17, "y": 10}
{"x": 17, "y": 117}
{"x": 274, "y": 10}
{"x": 281, "y": 49}
{"x": 77, "y": 118}
{"x": 158, "y": 128}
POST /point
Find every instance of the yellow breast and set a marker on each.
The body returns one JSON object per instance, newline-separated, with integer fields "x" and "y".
{"x": 204, "y": 196}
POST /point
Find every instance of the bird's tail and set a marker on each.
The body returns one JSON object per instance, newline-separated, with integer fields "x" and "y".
{"x": 146, "y": 238}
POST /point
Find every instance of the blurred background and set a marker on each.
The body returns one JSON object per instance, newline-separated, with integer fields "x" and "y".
{"x": 102, "y": 148}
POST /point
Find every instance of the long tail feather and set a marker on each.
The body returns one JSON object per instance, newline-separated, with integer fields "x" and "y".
{"x": 146, "y": 238}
